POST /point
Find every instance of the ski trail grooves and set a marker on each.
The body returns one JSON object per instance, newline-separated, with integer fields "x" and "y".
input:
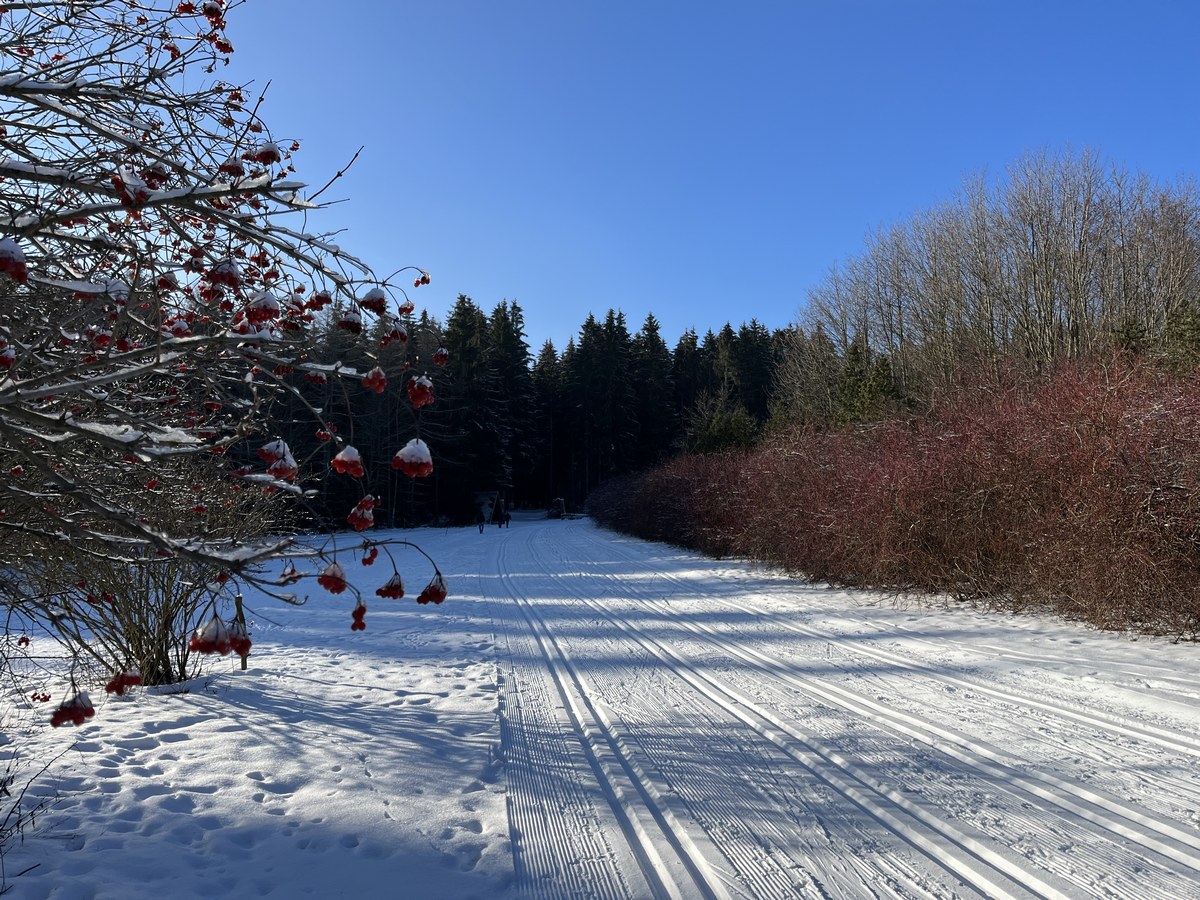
{"x": 1140, "y": 731}
{"x": 968, "y": 856}
{"x": 560, "y": 846}
{"x": 675, "y": 871}
{"x": 728, "y": 750}
{"x": 1135, "y": 825}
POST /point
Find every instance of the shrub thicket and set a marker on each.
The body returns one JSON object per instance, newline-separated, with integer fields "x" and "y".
{"x": 1080, "y": 492}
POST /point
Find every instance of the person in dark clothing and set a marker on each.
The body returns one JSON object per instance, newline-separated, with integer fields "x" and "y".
{"x": 480, "y": 521}
{"x": 507, "y": 519}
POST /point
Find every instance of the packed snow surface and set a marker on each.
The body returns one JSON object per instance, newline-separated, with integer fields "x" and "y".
{"x": 592, "y": 716}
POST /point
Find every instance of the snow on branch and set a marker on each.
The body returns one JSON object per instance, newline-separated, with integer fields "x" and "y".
{"x": 161, "y": 303}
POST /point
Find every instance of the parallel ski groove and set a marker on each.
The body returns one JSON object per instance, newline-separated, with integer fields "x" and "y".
{"x": 558, "y": 852}
{"x": 620, "y": 780}
{"x": 1092, "y": 806}
{"x": 986, "y": 871}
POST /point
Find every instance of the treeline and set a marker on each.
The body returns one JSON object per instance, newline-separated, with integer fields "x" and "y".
{"x": 1062, "y": 258}
{"x": 531, "y": 430}
{"x": 996, "y": 400}
{"x": 1011, "y": 284}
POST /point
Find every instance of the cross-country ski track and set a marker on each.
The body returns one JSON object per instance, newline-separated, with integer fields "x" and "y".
{"x": 728, "y": 743}
{"x": 599, "y": 717}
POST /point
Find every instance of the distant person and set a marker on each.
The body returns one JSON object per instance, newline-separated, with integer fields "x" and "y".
{"x": 480, "y": 521}
{"x": 507, "y": 519}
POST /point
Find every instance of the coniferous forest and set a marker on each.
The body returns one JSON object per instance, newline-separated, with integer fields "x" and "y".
{"x": 532, "y": 430}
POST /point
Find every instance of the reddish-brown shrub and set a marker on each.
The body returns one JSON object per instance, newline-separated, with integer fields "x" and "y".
{"x": 1080, "y": 492}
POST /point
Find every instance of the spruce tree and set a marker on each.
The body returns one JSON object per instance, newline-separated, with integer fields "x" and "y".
{"x": 657, "y": 417}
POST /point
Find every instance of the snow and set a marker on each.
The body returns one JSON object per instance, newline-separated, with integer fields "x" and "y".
{"x": 588, "y": 715}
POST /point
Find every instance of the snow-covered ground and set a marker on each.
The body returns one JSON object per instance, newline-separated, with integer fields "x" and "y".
{"x": 592, "y": 716}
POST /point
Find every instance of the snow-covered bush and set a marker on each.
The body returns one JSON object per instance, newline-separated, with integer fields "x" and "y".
{"x": 158, "y": 291}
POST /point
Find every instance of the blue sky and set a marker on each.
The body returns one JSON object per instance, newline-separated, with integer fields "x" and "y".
{"x": 704, "y": 161}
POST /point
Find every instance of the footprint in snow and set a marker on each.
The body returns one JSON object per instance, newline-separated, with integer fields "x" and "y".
{"x": 465, "y": 857}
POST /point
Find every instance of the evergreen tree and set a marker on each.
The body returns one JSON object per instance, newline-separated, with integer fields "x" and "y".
{"x": 686, "y": 372}
{"x": 510, "y": 361}
{"x": 865, "y": 390}
{"x": 548, "y": 474}
{"x": 601, "y": 403}
{"x": 477, "y": 431}
{"x": 722, "y": 350}
{"x": 754, "y": 364}
{"x": 656, "y": 413}
{"x": 619, "y": 412}
{"x": 719, "y": 422}
{"x": 713, "y": 373}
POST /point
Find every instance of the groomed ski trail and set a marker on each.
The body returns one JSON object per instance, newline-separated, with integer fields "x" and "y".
{"x": 671, "y": 728}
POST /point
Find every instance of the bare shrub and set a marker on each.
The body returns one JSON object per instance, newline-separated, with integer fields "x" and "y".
{"x": 1079, "y": 491}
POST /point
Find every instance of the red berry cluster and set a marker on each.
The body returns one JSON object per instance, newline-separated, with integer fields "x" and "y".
{"x": 289, "y": 575}
{"x": 239, "y": 639}
{"x": 121, "y": 681}
{"x": 362, "y": 517}
{"x": 273, "y": 450}
{"x": 213, "y": 11}
{"x": 370, "y": 557}
{"x": 414, "y": 459}
{"x": 131, "y": 189}
{"x": 12, "y": 261}
{"x": 77, "y": 710}
{"x": 232, "y": 166}
{"x": 226, "y": 273}
{"x": 211, "y": 637}
{"x": 435, "y": 591}
{"x": 375, "y": 380}
{"x": 420, "y": 391}
{"x": 350, "y": 320}
{"x": 268, "y": 153}
{"x": 333, "y": 578}
{"x": 374, "y": 300}
{"x": 42, "y": 697}
{"x": 348, "y": 462}
{"x": 397, "y": 333}
{"x": 359, "y": 616}
{"x": 421, "y": 279}
{"x": 441, "y": 356}
{"x": 262, "y": 308}
{"x": 284, "y": 469}
{"x": 215, "y": 636}
{"x": 393, "y": 590}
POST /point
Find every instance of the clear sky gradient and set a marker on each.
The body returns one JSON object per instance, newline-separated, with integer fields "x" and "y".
{"x": 704, "y": 161}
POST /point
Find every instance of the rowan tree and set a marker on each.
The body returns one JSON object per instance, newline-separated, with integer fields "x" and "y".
{"x": 158, "y": 294}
